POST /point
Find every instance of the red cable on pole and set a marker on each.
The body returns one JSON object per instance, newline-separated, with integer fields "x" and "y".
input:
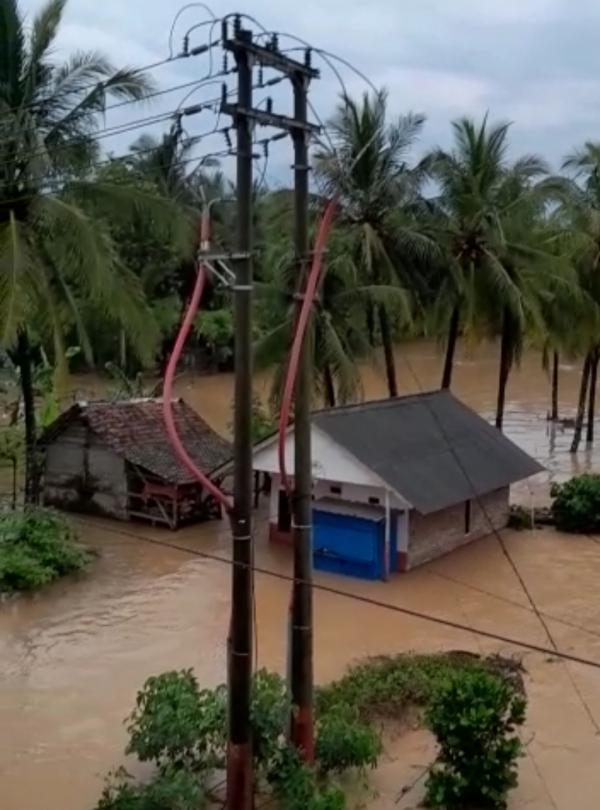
{"x": 168, "y": 417}
{"x": 301, "y": 324}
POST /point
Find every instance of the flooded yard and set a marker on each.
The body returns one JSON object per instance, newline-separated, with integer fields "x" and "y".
{"x": 73, "y": 656}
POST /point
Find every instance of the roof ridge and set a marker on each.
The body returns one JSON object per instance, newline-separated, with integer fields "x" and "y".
{"x": 384, "y": 402}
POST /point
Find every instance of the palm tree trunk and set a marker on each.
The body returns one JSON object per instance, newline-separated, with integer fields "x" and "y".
{"x": 583, "y": 388}
{"x": 554, "y": 410}
{"x": 370, "y": 316}
{"x": 450, "y": 347}
{"x": 329, "y": 386}
{"x": 123, "y": 351}
{"x": 506, "y": 353}
{"x": 388, "y": 351}
{"x": 592, "y": 394}
{"x": 23, "y": 358}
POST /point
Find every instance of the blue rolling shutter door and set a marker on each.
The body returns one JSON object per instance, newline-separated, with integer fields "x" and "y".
{"x": 345, "y": 544}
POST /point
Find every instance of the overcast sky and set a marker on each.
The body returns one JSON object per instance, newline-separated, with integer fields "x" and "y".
{"x": 533, "y": 62}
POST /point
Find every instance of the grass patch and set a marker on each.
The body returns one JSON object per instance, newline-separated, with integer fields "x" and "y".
{"x": 36, "y": 547}
{"x": 385, "y": 686}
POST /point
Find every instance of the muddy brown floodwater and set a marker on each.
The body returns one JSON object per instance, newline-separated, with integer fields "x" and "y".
{"x": 73, "y": 656}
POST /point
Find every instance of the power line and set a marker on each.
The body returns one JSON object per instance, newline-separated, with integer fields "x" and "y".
{"x": 225, "y": 152}
{"x": 102, "y": 84}
{"x": 415, "y": 614}
{"x": 119, "y": 129}
{"x": 514, "y": 603}
{"x": 116, "y": 129}
{"x": 501, "y": 543}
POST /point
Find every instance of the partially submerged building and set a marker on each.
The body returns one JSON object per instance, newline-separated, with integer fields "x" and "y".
{"x": 113, "y": 458}
{"x": 398, "y": 482}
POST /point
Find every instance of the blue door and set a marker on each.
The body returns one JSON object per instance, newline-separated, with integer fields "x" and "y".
{"x": 345, "y": 544}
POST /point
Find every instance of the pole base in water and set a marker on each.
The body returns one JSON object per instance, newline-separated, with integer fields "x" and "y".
{"x": 239, "y": 777}
{"x": 302, "y": 733}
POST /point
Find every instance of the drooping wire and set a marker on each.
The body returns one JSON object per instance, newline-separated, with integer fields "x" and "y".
{"x": 100, "y": 84}
{"x": 365, "y": 600}
{"x": 479, "y": 500}
{"x": 184, "y": 8}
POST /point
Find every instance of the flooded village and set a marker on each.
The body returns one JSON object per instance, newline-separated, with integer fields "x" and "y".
{"x": 299, "y": 449}
{"x": 72, "y": 658}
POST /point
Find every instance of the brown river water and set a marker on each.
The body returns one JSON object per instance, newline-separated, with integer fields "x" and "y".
{"x": 73, "y": 656}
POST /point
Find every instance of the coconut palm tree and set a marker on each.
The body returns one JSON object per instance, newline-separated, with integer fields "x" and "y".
{"x": 56, "y": 249}
{"x": 581, "y": 212}
{"x": 465, "y": 223}
{"x": 337, "y": 336}
{"x": 366, "y": 169}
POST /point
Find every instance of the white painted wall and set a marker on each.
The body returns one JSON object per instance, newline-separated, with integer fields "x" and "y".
{"x": 332, "y": 465}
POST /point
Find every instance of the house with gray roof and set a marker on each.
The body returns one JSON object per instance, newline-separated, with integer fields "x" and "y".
{"x": 398, "y": 482}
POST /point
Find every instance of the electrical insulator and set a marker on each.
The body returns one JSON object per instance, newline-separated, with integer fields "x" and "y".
{"x": 261, "y": 77}
{"x": 270, "y": 105}
{"x": 237, "y": 25}
{"x": 186, "y": 45}
{"x": 225, "y": 63}
{"x": 228, "y": 138}
{"x": 224, "y": 31}
{"x": 274, "y": 42}
{"x": 308, "y": 57}
{"x": 223, "y": 93}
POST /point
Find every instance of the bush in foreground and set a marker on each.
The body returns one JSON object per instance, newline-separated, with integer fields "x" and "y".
{"x": 182, "y": 730}
{"x": 474, "y": 717}
{"x": 36, "y": 547}
{"x": 576, "y": 504}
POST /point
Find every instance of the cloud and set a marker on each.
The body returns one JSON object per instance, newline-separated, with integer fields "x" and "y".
{"x": 531, "y": 61}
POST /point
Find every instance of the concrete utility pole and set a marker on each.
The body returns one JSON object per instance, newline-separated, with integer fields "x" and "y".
{"x": 239, "y": 754}
{"x": 302, "y": 726}
{"x": 245, "y": 116}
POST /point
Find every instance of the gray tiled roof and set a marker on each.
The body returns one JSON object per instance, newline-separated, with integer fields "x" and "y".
{"x": 430, "y": 448}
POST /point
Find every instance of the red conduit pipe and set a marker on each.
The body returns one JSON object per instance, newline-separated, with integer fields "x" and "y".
{"x": 301, "y": 324}
{"x": 169, "y": 420}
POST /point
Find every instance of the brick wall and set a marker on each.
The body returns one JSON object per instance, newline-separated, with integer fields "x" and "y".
{"x": 436, "y": 534}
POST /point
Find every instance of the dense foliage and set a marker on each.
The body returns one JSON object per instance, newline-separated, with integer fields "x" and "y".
{"x": 576, "y": 504}
{"x": 36, "y": 547}
{"x": 385, "y": 686}
{"x": 475, "y": 717}
{"x": 181, "y": 729}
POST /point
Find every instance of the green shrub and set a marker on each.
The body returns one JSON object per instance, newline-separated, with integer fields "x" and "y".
{"x": 297, "y": 787}
{"x": 386, "y": 685}
{"x": 343, "y": 741}
{"x": 520, "y": 518}
{"x": 474, "y": 716}
{"x": 175, "y": 722}
{"x": 36, "y": 547}
{"x": 576, "y": 504}
{"x": 269, "y": 712}
{"x": 170, "y": 789}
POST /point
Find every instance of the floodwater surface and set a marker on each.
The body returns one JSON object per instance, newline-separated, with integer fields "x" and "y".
{"x": 73, "y": 656}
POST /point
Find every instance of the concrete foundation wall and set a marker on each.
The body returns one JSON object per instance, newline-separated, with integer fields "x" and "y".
{"x": 436, "y": 534}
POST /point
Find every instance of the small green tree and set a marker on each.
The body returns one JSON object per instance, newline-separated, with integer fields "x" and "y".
{"x": 576, "y": 504}
{"x": 474, "y": 716}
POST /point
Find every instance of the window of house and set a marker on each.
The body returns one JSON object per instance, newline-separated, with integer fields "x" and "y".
{"x": 284, "y": 516}
{"x": 335, "y": 490}
{"x": 374, "y": 501}
{"x": 467, "y": 517}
